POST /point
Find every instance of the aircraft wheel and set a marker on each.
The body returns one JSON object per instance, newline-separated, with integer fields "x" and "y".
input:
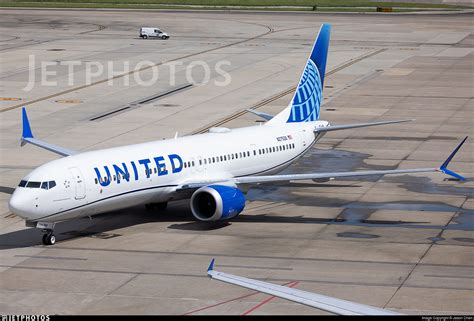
{"x": 45, "y": 241}
{"x": 49, "y": 239}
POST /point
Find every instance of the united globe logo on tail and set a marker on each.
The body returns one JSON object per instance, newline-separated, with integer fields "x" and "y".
{"x": 307, "y": 99}
{"x": 308, "y": 96}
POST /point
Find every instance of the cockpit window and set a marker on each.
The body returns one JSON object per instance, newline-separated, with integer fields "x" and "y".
{"x": 32, "y": 184}
{"x": 42, "y": 185}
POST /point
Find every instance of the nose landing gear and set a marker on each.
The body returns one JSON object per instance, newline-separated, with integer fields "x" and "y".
{"x": 48, "y": 237}
{"x": 48, "y": 231}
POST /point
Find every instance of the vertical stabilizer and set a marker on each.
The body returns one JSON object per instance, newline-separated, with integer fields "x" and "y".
{"x": 306, "y": 101}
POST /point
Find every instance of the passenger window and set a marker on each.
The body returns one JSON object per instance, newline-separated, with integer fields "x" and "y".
{"x": 44, "y": 185}
{"x": 95, "y": 179}
{"x": 193, "y": 163}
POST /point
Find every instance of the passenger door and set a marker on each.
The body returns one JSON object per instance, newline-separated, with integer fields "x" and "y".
{"x": 79, "y": 184}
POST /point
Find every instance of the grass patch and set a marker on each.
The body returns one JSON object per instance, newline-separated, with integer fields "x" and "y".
{"x": 322, "y": 5}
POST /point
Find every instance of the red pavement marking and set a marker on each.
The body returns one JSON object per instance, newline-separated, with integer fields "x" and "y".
{"x": 224, "y": 302}
{"x": 292, "y": 284}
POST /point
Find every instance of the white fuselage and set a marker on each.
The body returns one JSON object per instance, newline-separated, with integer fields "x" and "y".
{"x": 151, "y": 172}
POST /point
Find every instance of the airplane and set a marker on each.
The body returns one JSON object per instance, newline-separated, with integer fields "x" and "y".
{"x": 209, "y": 169}
{"x": 314, "y": 300}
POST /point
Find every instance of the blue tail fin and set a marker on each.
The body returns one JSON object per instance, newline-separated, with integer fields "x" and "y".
{"x": 306, "y": 101}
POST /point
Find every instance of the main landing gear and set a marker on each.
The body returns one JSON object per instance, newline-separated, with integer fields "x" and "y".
{"x": 48, "y": 237}
{"x": 156, "y": 206}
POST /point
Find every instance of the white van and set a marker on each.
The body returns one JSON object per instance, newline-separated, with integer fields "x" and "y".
{"x": 146, "y": 32}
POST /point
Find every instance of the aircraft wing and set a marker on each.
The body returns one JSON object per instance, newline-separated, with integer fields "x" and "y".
{"x": 314, "y": 300}
{"x": 293, "y": 177}
{"x": 27, "y": 137}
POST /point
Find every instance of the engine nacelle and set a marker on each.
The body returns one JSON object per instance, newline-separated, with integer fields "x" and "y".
{"x": 217, "y": 202}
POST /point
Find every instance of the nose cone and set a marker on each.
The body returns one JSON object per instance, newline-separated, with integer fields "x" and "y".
{"x": 20, "y": 205}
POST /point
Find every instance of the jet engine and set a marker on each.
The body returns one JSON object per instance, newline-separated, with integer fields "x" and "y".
{"x": 217, "y": 202}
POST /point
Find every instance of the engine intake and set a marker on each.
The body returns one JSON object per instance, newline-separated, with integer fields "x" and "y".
{"x": 217, "y": 202}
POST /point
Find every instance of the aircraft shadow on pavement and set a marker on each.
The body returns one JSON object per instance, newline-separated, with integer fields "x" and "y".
{"x": 106, "y": 226}
{"x": 7, "y": 190}
{"x": 179, "y": 214}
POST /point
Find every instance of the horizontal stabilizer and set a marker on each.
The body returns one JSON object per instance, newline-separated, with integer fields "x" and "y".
{"x": 260, "y": 114}
{"x": 341, "y": 127}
